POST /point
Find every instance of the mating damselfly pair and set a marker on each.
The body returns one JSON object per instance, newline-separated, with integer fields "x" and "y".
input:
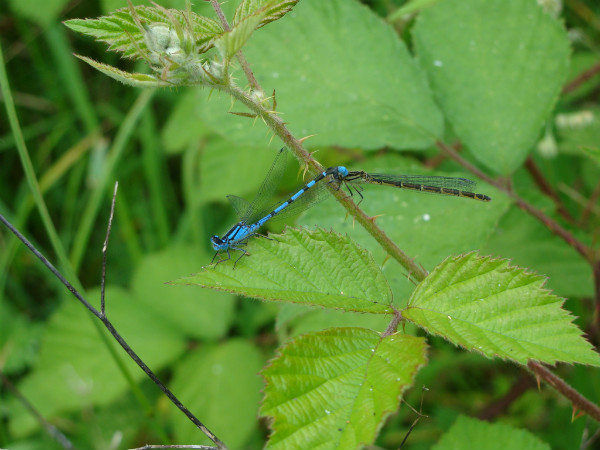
{"x": 254, "y": 215}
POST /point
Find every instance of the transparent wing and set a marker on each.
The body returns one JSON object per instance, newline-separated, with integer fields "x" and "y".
{"x": 260, "y": 205}
{"x": 462, "y": 184}
{"x": 429, "y": 184}
{"x": 311, "y": 197}
{"x": 240, "y": 205}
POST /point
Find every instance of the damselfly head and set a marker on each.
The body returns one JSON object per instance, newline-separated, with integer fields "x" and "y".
{"x": 217, "y": 243}
{"x": 338, "y": 173}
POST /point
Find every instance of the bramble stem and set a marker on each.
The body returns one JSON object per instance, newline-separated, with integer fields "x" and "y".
{"x": 239, "y": 55}
{"x": 274, "y": 122}
{"x": 577, "y": 400}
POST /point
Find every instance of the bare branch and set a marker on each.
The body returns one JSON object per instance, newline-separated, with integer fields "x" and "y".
{"x": 104, "y": 248}
{"x": 116, "y": 335}
{"x": 54, "y": 432}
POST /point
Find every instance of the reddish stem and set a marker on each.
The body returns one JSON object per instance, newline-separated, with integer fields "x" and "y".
{"x": 546, "y": 188}
{"x": 578, "y": 401}
{"x": 552, "y": 225}
{"x": 581, "y": 78}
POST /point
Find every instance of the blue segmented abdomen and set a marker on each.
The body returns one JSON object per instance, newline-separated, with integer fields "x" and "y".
{"x": 242, "y": 230}
{"x": 291, "y": 200}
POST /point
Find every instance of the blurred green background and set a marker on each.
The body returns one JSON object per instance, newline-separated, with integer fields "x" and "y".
{"x": 177, "y": 153}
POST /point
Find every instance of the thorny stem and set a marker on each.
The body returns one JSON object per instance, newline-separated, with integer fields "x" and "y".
{"x": 116, "y": 335}
{"x": 239, "y": 55}
{"x": 393, "y": 325}
{"x": 217, "y": 7}
{"x": 415, "y": 271}
{"x": 577, "y": 400}
{"x": 274, "y": 122}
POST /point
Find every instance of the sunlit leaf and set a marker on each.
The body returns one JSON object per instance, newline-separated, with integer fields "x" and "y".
{"x": 341, "y": 74}
{"x": 488, "y": 306}
{"x": 310, "y": 267}
{"x": 232, "y": 41}
{"x": 334, "y": 389}
{"x": 122, "y": 34}
{"x": 269, "y": 10}
{"x": 131, "y": 79}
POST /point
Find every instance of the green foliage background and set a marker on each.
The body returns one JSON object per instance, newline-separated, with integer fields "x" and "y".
{"x": 376, "y": 97}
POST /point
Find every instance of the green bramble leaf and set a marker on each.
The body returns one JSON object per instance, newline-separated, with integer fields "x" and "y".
{"x": 467, "y": 433}
{"x": 486, "y": 305}
{"x": 334, "y": 389}
{"x": 132, "y": 79}
{"x": 270, "y": 10}
{"x": 121, "y": 32}
{"x": 309, "y": 267}
{"x": 232, "y": 41}
{"x": 376, "y": 95}
{"x": 497, "y": 68}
